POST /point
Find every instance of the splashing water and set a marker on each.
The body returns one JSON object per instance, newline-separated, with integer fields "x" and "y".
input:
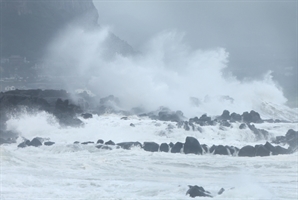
{"x": 167, "y": 73}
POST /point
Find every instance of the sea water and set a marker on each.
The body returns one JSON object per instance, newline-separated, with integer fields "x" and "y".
{"x": 75, "y": 171}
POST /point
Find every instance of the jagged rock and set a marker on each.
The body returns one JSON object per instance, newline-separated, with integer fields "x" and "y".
{"x": 164, "y": 147}
{"x": 49, "y": 143}
{"x": 247, "y": 151}
{"x": 35, "y": 142}
{"x": 280, "y": 150}
{"x": 24, "y": 144}
{"x": 192, "y": 145}
{"x": 197, "y": 191}
{"x": 129, "y": 145}
{"x": 177, "y": 147}
{"x": 100, "y": 141}
{"x": 110, "y": 142}
{"x": 252, "y": 117}
{"x": 261, "y": 150}
{"x": 171, "y": 144}
{"x": 151, "y": 146}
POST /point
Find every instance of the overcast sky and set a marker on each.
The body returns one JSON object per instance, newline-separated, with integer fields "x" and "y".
{"x": 259, "y": 35}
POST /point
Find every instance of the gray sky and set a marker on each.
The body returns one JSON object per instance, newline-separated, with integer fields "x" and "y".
{"x": 259, "y": 35}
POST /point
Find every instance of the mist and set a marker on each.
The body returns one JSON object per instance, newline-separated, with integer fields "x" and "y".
{"x": 259, "y": 35}
{"x": 167, "y": 73}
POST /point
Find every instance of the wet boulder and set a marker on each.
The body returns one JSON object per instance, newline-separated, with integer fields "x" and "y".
{"x": 235, "y": 117}
{"x": 49, "y": 143}
{"x": 204, "y": 148}
{"x": 192, "y": 145}
{"x": 129, "y": 145}
{"x": 24, "y": 144}
{"x": 110, "y": 142}
{"x": 220, "y": 150}
{"x": 177, "y": 147}
{"x": 247, "y": 151}
{"x": 151, "y": 146}
{"x": 36, "y": 142}
{"x": 261, "y": 150}
{"x": 242, "y": 126}
{"x": 100, "y": 141}
{"x": 292, "y": 139}
{"x": 197, "y": 191}
{"x": 164, "y": 147}
{"x": 251, "y": 117}
{"x": 225, "y": 115}
{"x": 105, "y": 147}
{"x": 88, "y": 142}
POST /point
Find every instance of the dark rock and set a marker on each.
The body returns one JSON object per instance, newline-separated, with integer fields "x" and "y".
{"x": 242, "y": 126}
{"x": 252, "y": 117}
{"x": 76, "y": 142}
{"x": 171, "y": 144}
{"x": 225, "y": 123}
{"x": 192, "y": 145}
{"x": 151, "y": 146}
{"x": 260, "y": 133}
{"x": 232, "y": 149}
{"x": 204, "y": 148}
{"x": 225, "y": 115}
{"x": 220, "y": 150}
{"x": 88, "y": 142}
{"x": 164, "y": 147}
{"x": 247, "y": 151}
{"x": 24, "y": 144}
{"x": 280, "y": 140}
{"x": 132, "y": 125}
{"x": 177, "y": 147}
{"x": 280, "y": 150}
{"x": 167, "y": 115}
{"x": 87, "y": 115}
{"x": 129, "y": 145}
{"x": 212, "y": 149}
{"x": 196, "y": 191}
{"x": 292, "y": 139}
{"x": 261, "y": 150}
{"x": 100, "y": 141}
{"x": 35, "y": 142}
{"x": 110, "y": 142}
{"x": 235, "y": 117}
{"x": 220, "y": 191}
{"x": 49, "y": 143}
{"x": 105, "y": 147}
{"x": 270, "y": 148}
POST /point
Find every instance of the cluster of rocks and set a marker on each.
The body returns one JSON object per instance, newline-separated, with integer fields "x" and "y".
{"x": 190, "y": 146}
{"x": 198, "y": 191}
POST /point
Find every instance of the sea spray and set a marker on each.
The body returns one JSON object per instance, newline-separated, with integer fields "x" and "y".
{"x": 167, "y": 72}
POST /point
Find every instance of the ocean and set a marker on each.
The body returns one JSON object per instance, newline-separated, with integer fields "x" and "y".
{"x": 75, "y": 171}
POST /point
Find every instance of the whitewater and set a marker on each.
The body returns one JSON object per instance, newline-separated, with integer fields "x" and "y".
{"x": 167, "y": 73}
{"x": 67, "y": 170}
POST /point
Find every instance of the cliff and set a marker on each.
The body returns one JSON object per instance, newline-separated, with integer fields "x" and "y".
{"x": 27, "y": 26}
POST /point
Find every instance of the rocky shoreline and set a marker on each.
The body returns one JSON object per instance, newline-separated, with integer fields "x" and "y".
{"x": 67, "y": 108}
